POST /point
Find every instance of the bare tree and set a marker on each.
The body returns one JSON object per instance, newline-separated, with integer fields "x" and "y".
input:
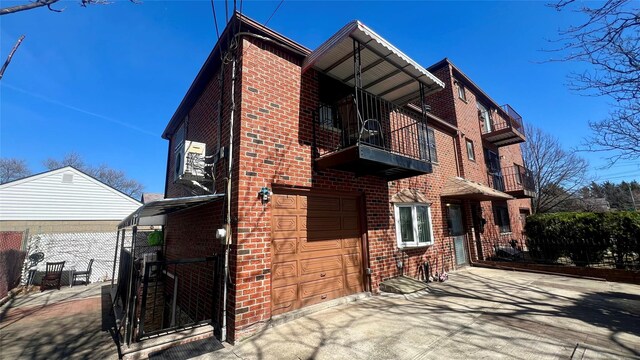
{"x": 114, "y": 178}
{"x": 70, "y": 159}
{"x": 609, "y": 41}
{"x": 13, "y": 169}
{"x": 41, "y": 3}
{"x": 558, "y": 174}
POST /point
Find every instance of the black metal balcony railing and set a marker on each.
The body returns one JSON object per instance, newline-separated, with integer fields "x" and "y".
{"x": 514, "y": 119}
{"x": 365, "y": 119}
{"x": 503, "y": 128}
{"x": 515, "y": 179}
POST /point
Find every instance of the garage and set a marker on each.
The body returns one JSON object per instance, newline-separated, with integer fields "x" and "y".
{"x": 316, "y": 248}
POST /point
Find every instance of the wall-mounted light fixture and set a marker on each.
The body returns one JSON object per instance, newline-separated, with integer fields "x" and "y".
{"x": 265, "y": 195}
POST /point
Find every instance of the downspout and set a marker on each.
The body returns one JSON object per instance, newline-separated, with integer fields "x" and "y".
{"x": 455, "y": 151}
{"x": 228, "y": 238}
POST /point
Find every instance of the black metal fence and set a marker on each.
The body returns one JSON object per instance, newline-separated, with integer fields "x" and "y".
{"x": 580, "y": 253}
{"x": 177, "y": 294}
{"x": 363, "y": 118}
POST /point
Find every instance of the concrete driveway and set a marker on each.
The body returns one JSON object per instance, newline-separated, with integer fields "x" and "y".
{"x": 58, "y": 324}
{"x": 478, "y": 314}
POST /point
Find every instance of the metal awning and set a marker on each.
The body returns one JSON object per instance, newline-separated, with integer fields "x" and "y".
{"x": 154, "y": 213}
{"x": 386, "y": 71}
{"x": 465, "y": 189}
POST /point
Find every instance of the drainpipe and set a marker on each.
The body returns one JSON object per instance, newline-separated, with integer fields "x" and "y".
{"x": 455, "y": 152}
{"x": 223, "y": 327}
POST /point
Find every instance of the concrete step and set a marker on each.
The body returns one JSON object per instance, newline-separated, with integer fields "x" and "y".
{"x": 402, "y": 285}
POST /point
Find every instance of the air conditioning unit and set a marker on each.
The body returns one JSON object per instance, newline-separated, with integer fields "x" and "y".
{"x": 189, "y": 161}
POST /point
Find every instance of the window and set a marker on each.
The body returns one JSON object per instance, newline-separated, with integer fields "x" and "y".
{"x": 178, "y": 149}
{"x": 413, "y": 225}
{"x": 427, "y": 140}
{"x": 461, "y": 91}
{"x": 485, "y": 118}
{"x": 519, "y": 171}
{"x": 502, "y": 218}
{"x": 178, "y": 136}
{"x": 454, "y": 220}
{"x": 327, "y": 117}
{"x": 470, "y": 153}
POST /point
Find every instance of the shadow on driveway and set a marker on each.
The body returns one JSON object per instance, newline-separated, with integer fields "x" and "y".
{"x": 59, "y": 324}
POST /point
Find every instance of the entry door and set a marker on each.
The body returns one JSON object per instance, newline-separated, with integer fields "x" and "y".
{"x": 457, "y": 230}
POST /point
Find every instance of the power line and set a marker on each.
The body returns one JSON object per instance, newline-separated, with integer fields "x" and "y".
{"x": 274, "y": 12}
{"x": 215, "y": 20}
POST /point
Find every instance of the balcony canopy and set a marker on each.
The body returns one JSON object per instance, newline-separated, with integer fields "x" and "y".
{"x": 385, "y": 70}
{"x": 465, "y": 189}
{"x": 154, "y": 213}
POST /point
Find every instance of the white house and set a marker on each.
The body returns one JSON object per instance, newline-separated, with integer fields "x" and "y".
{"x": 68, "y": 215}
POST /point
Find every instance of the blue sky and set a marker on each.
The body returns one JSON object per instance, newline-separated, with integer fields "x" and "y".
{"x": 104, "y": 80}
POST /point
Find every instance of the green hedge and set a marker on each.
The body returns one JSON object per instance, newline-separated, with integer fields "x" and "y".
{"x": 586, "y": 238}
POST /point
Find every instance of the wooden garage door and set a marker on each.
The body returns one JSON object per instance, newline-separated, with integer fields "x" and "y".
{"x": 316, "y": 249}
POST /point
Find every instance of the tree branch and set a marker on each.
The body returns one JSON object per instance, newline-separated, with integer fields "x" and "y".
{"x": 29, "y": 6}
{"x": 6, "y": 63}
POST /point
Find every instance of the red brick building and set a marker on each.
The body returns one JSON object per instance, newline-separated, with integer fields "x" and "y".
{"x": 376, "y": 165}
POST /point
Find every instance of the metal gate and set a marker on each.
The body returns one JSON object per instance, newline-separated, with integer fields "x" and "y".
{"x": 177, "y": 294}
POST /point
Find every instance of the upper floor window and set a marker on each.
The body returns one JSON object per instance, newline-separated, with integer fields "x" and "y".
{"x": 413, "y": 225}
{"x": 179, "y": 136}
{"x": 502, "y": 218}
{"x": 470, "y": 152}
{"x": 427, "y": 139}
{"x": 485, "y": 118}
{"x": 177, "y": 140}
{"x": 462, "y": 94}
{"x": 327, "y": 117}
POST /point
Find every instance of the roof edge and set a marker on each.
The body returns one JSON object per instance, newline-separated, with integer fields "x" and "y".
{"x": 465, "y": 78}
{"x": 213, "y": 61}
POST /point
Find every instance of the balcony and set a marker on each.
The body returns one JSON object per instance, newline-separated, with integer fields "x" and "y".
{"x": 505, "y": 128}
{"x": 516, "y": 181}
{"x": 367, "y": 135}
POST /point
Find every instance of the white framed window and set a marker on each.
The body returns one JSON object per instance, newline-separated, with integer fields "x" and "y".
{"x": 485, "y": 118}
{"x": 413, "y": 225}
{"x": 462, "y": 94}
{"x": 470, "y": 152}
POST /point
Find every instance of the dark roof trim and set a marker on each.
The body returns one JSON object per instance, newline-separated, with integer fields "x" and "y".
{"x": 247, "y": 27}
{"x": 461, "y": 76}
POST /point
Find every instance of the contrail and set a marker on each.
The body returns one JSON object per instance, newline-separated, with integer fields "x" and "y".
{"x": 71, "y": 107}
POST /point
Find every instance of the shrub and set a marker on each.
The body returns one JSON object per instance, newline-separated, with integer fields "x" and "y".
{"x": 584, "y": 237}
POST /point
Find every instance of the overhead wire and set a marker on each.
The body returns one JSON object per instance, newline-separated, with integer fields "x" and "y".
{"x": 274, "y": 12}
{"x": 226, "y": 10}
{"x": 215, "y": 20}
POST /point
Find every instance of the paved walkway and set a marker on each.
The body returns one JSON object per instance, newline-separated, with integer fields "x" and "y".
{"x": 58, "y": 324}
{"x": 477, "y": 314}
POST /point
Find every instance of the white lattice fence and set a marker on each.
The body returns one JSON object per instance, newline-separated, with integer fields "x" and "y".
{"x": 76, "y": 249}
